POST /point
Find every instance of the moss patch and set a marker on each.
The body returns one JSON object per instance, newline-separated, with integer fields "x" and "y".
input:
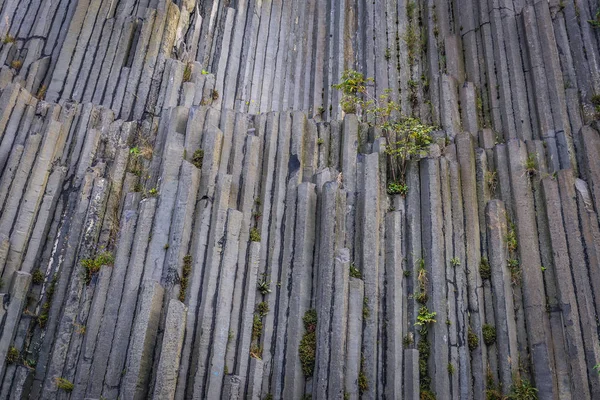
{"x": 308, "y": 344}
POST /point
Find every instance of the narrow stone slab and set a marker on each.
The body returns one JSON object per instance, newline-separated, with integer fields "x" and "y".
{"x": 506, "y": 335}
{"x": 166, "y": 376}
{"x": 134, "y": 383}
{"x": 354, "y": 346}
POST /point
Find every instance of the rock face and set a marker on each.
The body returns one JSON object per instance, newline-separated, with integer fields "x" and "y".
{"x": 186, "y": 211}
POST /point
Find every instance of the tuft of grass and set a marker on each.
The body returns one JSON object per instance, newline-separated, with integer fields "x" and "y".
{"x": 41, "y": 93}
{"x": 308, "y": 345}
{"x": 12, "y": 355}
{"x": 531, "y": 167}
{"x": 198, "y": 158}
{"x": 16, "y": 64}
{"x": 92, "y": 265}
{"x": 37, "y": 278}
{"x": 64, "y": 384}
{"x": 491, "y": 180}
{"x": 254, "y": 235}
{"x": 489, "y": 334}
{"x": 455, "y": 262}
{"x": 185, "y": 276}
{"x": 262, "y": 308}
{"x": 8, "y": 39}
{"x": 187, "y": 72}
{"x": 484, "y": 269}
{"x": 472, "y": 339}
{"x": 355, "y": 272}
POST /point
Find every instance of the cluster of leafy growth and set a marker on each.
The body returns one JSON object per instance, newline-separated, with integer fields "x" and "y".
{"x": 489, "y": 334}
{"x": 37, "y": 277}
{"x": 422, "y": 295}
{"x": 92, "y": 265}
{"x": 12, "y": 355}
{"x": 472, "y": 339}
{"x": 308, "y": 345}
{"x": 407, "y": 136}
{"x": 484, "y": 269}
{"x": 185, "y": 276}
{"x": 64, "y": 384}
{"x": 424, "y": 349}
{"x": 254, "y": 235}
{"x": 264, "y": 286}
{"x": 522, "y": 389}
{"x": 355, "y": 272}
{"x": 198, "y": 158}
{"x": 43, "y": 317}
{"x": 513, "y": 261}
{"x": 363, "y": 382}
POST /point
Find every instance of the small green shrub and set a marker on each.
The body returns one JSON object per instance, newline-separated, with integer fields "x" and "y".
{"x": 37, "y": 277}
{"x": 320, "y": 141}
{"x": 515, "y": 270}
{"x": 257, "y": 326}
{"x": 64, "y": 384}
{"x": 8, "y": 39}
{"x": 153, "y": 192}
{"x": 185, "y": 277}
{"x": 531, "y": 165}
{"x": 264, "y": 286}
{"x": 355, "y": 272}
{"x": 397, "y": 188}
{"x": 472, "y": 339}
{"x": 489, "y": 334}
{"x": 198, "y": 158}
{"x": 308, "y": 344}
{"x": 491, "y": 180}
{"x": 12, "y": 355}
{"x": 262, "y": 308}
{"x": 451, "y": 369}
{"x": 455, "y": 262}
{"x": 511, "y": 238}
{"x": 484, "y": 269}
{"x": 425, "y": 317}
{"x": 92, "y": 265}
{"x": 595, "y": 23}
{"x": 522, "y": 390}
{"x": 254, "y": 235}
{"x": 187, "y": 72}
{"x": 366, "y": 311}
{"x": 363, "y": 382}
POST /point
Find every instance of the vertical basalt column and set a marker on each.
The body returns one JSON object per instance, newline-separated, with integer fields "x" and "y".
{"x": 394, "y": 294}
{"x": 301, "y": 288}
{"x": 566, "y": 290}
{"x": 354, "y": 353}
{"x": 166, "y": 375}
{"x": 505, "y": 325}
{"x": 534, "y": 301}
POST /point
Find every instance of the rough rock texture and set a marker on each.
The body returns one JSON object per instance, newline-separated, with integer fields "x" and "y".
{"x": 187, "y": 212}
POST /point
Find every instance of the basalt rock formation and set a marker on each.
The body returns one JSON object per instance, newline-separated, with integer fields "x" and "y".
{"x": 187, "y": 212}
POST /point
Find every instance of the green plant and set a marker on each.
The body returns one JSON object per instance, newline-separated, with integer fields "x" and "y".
{"x": 484, "y": 269}
{"x": 489, "y": 334}
{"x": 269, "y": 396}
{"x": 363, "y": 382}
{"x": 185, "y": 276}
{"x": 37, "y": 277}
{"x": 425, "y": 317}
{"x": 355, "y": 272}
{"x": 198, "y": 158}
{"x": 491, "y": 180}
{"x": 12, "y": 355}
{"x": 320, "y": 110}
{"x": 522, "y": 390}
{"x": 451, "y": 369}
{"x": 257, "y": 326}
{"x": 411, "y": 137}
{"x": 8, "y": 39}
{"x": 134, "y": 151}
{"x": 308, "y": 345}
{"x": 264, "y": 286}
{"x": 515, "y": 270}
{"x": 41, "y": 93}
{"x": 320, "y": 141}
{"x": 64, "y": 384}
{"x": 204, "y": 72}
{"x": 256, "y": 351}
{"x": 511, "y": 238}
{"x": 366, "y": 311}
{"x": 254, "y": 235}
{"x": 408, "y": 340}
{"x": 531, "y": 165}
{"x": 472, "y": 339}
{"x": 43, "y": 317}
{"x": 262, "y": 308}
{"x": 397, "y": 188}
{"x": 455, "y": 262}
{"x": 92, "y": 265}
{"x": 214, "y": 95}
{"x": 16, "y": 64}
{"x": 153, "y": 192}
{"x": 187, "y": 72}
